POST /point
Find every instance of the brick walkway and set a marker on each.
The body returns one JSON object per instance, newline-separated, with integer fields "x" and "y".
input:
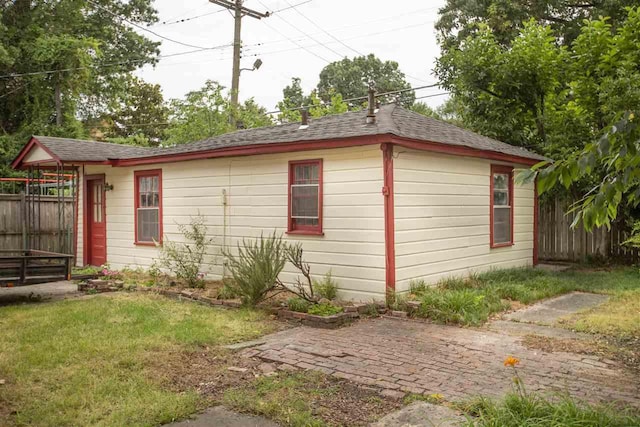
{"x": 407, "y": 356}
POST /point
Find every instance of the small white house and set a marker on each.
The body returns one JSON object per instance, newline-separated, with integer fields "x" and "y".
{"x": 379, "y": 204}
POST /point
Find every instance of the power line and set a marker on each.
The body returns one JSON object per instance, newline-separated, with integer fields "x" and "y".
{"x": 291, "y": 6}
{"x": 132, "y": 61}
{"x": 322, "y": 29}
{"x": 350, "y": 38}
{"x": 302, "y": 32}
{"x": 394, "y": 92}
{"x": 180, "y": 21}
{"x": 296, "y": 43}
{"x": 145, "y": 28}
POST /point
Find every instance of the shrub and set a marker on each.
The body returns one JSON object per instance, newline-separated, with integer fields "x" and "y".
{"x": 185, "y": 259}
{"x": 327, "y": 287}
{"x": 324, "y": 309}
{"x": 256, "y": 268}
{"x": 298, "y": 304}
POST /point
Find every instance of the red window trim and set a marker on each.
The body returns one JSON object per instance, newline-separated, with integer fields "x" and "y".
{"x": 500, "y": 169}
{"x": 136, "y": 198}
{"x": 305, "y": 230}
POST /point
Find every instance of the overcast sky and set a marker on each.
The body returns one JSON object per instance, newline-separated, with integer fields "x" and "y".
{"x": 296, "y": 42}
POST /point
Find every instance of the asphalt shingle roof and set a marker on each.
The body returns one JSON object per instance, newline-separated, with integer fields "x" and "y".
{"x": 390, "y": 119}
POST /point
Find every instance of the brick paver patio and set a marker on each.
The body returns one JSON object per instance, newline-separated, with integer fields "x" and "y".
{"x": 408, "y": 356}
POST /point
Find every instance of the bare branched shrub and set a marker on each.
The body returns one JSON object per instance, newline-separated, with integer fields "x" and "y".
{"x": 185, "y": 259}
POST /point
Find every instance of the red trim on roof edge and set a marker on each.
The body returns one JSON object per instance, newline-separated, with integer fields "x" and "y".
{"x": 250, "y": 150}
{"x": 285, "y": 147}
{"x": 389, "y": 220}
{"x": 25, "y": 150}
{"x": 459, "y": 150}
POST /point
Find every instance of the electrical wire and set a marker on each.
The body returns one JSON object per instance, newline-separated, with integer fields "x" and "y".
{"x": 291, "y": 6}
{"x": 180, "y": 21}
{"x": 132, "y": 61}
{"x": 394, "y": 92}
{"x": 322, "y": 29}
{"x": 302, "y": 32}
{"x": 145, "y": 28}
{"x": 350, "y": 38}
{"x": 294, "y": 42}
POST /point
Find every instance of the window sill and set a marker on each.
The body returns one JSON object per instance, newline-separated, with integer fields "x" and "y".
{"x": 305, "y": 233}
{"x": 147, "y": 243}
{"x": 501, "y": 245}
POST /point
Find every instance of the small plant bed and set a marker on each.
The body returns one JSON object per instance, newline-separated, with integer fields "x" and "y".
{"x": 474, "y": 300}
{"x": 310, "y": 398}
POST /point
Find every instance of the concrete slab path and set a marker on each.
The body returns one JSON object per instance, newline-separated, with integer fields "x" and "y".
{"x": 548, "y": 312}
{"x": 422, "y": 414}
{"x": 218, "y": 416}
{"x": 39, "y": 292}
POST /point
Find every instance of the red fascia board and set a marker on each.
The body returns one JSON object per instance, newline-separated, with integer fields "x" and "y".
{"x": 17, "y": 162}
{"x": 458, "y": 150}
{"x": 389, "y": 217}
{"x": 250, "y": 150}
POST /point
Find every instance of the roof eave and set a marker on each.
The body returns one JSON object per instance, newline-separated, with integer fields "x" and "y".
{"x": 461, "y": 150}
{"x": 17, "y": 162}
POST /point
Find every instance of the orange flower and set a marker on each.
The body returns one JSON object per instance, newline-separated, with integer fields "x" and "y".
{"x": 511, "y": 361}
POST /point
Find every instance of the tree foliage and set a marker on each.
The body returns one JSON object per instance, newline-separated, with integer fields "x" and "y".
{"x": 293, "y": 100}
{"x": 539, "y": 93}
{"x": 98, "y": 50}
{"x": 351, "y": 77}
{"x": 603, "y": 89}
{"x": 207, "y": 112}
{"x": 460, "y": 19}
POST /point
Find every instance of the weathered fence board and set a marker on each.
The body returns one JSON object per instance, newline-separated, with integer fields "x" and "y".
{"x": 557, "y": 241}
{"x": 47, "y": 233}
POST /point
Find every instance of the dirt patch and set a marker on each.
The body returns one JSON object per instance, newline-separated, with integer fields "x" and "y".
{"x": 204, "y": 370}
{"x": 214, "y": 371}
{"x": 307, "y": 397}
{"x": 350, "y": 405}
{"x": 623, "y": 352}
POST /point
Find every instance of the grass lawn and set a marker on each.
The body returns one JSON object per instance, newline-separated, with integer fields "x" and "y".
{"x": 99, "y": 361}
{"x": 472, "y": 301}
{"x": 534, "y": 410}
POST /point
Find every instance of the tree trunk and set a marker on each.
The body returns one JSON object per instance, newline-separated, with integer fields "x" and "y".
{"x": 58, "y": 101}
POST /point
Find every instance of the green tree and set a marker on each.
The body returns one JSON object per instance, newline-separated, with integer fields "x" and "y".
{"x": 294, "y": 100}
{"x": 141, "y": 112}
{"x": 350, "y": 78}
{"x": 605, "y": 72}
{"x": 98, "y": 47}
{"x": 460, "y": 19}
{"x": 206, "y": 112}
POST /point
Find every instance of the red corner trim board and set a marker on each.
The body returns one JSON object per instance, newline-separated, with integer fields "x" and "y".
{"x": 389, "y": 218}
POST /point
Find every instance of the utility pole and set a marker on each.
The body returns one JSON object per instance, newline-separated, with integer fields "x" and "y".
{"x": 239, "y": 12}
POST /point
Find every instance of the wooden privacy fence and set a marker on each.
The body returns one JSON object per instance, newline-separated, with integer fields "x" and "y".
{"x": 557, "y": 241}
{"x": 42, "y": 226}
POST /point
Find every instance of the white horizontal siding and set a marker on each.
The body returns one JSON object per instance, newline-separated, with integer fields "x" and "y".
{"x": 353, "y": 219}
{"x": 442, "y": 218}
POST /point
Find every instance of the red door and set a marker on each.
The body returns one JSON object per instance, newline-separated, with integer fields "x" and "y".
{"x": 96, "y": 223}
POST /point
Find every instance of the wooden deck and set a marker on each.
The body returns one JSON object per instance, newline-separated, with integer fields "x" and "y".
{"x": 31, "y": 266}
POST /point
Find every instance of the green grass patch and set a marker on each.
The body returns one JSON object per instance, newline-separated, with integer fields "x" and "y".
{"x": 472, "y": 301}
{"x": 619, "y": 317}
{"x": 87, "y": 362}
{"x": 534, "y": 410}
